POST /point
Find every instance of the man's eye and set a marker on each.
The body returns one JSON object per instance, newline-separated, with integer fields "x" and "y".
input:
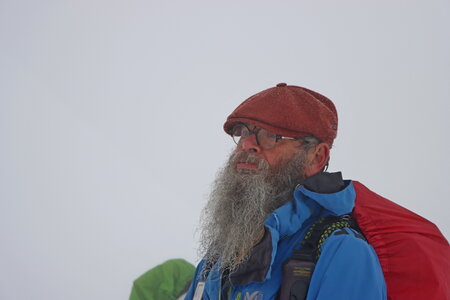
{"x": 240, "y": 131}
{"x": 267, "y": 134}
{"x": 244, "y": 132}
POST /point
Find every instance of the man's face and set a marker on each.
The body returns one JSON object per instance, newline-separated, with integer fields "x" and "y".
{"x": 253, "y": 183}
{"x": 283, "y": 151}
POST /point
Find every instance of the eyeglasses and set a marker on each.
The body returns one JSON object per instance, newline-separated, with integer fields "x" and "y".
{"x": 267, "y": 140}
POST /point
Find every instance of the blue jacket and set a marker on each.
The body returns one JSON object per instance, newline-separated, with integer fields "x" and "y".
{"x": 348, "y": 267}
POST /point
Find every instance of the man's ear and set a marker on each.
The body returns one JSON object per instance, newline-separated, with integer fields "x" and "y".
{"x": 317, "y": 159}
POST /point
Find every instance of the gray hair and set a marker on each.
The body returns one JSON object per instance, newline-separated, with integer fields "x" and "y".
{"x": 309, "y": 142}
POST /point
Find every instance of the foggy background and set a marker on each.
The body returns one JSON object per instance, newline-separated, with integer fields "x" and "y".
{"x": 111, "y": 117}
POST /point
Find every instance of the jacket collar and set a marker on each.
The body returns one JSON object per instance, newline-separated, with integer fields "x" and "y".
{"x": 338, "y": 198}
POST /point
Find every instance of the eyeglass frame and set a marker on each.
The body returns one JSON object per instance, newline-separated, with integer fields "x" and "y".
{"x": 277, "y": 136}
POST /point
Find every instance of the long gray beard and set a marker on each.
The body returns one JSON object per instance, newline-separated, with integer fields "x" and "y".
{"x": 240, "y": 201}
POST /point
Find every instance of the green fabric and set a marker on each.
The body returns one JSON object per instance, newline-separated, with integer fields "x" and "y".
{"x": 166, "y": 281}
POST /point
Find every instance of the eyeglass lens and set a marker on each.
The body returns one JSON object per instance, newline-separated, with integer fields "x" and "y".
{"x": 264, "y": 138}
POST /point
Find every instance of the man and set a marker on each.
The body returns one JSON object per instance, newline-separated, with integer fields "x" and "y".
{"x": 268, "y": 195}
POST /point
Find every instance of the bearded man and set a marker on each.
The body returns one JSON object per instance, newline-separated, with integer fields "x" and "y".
{"x": 267, "y": 197}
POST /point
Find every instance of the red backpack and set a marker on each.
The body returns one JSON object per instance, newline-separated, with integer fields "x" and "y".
{"x": 413, "y": 253}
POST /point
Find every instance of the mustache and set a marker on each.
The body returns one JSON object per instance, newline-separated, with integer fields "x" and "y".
{"x": 247, "y": 157}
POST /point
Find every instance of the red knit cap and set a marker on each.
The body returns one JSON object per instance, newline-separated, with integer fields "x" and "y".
{"x": 289, "y": 111}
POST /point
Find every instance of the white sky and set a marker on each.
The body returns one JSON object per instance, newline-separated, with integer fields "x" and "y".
{"x": 111, "y": 117}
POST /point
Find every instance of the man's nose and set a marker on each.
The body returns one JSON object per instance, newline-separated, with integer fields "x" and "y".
{"x": 249, "y": 144}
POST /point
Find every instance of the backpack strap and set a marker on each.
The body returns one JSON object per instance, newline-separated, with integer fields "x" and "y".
{"x": 298, "y": 270}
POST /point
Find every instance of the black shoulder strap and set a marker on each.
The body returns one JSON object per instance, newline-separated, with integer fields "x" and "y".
{"x": 298, "y": 270}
